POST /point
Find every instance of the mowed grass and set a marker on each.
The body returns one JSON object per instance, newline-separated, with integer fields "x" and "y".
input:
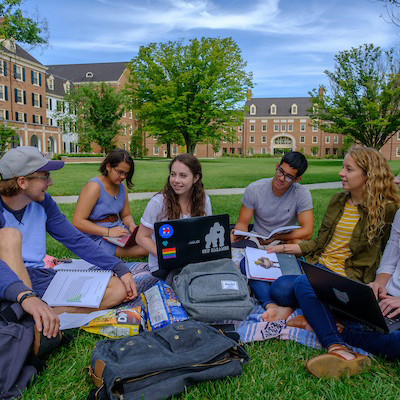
{"x": 275, "y": 371}
{"x": 151, "y": 175}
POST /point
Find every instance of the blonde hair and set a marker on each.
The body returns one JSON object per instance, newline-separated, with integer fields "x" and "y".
{"x": 379, "y": 190}
{"x": 9, "y": 187}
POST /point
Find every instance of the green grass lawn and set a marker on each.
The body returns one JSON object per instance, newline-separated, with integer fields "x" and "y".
{"x": 150, "y": 175}
{"x": 276, "y": 368}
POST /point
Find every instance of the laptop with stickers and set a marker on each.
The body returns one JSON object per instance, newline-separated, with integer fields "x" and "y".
{"x": 192, "y": 240}
{"x": 349, "y": 297}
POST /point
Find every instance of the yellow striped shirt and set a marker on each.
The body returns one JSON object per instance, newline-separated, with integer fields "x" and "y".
{"x": 338, "y": 250}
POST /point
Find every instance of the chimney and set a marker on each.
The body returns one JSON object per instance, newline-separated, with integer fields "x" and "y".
{"x": 248, "y": 94}
{"x": 321, "y": 93}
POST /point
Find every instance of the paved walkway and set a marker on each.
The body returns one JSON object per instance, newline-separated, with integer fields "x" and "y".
{"x": 148, "y": 195}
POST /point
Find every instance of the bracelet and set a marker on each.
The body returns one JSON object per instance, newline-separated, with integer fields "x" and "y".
{"x": 25, "y": 296}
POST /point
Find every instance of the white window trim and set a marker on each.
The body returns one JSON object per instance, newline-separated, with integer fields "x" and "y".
{"x": 315, "y": 139}
{"x": 302, "y": 127}
{"x": 36, "y": 96}
{"x": 156, "y": 150}
{"x": 3, "y": 98}
{"x": 302, "y": 139}
{"x": 263, "y": 139}
{"x": 37, "y": 78}
{"x": 252, "y": 139}
{"x": 22, "y": 96}
{"x": 327, "y": 139}
{"x": 16, "y": 73}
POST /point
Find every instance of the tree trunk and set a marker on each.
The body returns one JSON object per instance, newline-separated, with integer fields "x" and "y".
{"x": 168, "y": 150}
{"x": 190, "y": 146}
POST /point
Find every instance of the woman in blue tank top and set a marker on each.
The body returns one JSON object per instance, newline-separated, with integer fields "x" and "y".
{"x": 103, "y": 206}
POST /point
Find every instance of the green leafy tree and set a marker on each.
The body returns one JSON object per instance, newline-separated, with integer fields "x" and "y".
{"x": 189, "y": 92}
{"x": 98, "y": 110}
{"x": 136, "y": 146}
{"x": 14, "y": 23}
{"x": 314, "y": 150}
{"x": 364, "y": 100}
{"x": 7, "y": 133}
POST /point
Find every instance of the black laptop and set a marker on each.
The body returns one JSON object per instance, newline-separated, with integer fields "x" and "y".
{"x": 348, "y": 297}
{"x": 189, "y": 240}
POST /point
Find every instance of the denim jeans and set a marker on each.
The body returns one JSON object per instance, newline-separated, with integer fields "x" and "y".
{"x": 321, "y": 319}
{"x": 279, "y": 292}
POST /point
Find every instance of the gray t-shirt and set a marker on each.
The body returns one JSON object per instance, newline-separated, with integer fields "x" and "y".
{"x": 270, "y": 211}
{"x": 155, "y": 212}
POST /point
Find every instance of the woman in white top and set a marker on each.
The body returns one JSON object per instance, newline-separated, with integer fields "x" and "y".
{"x": 183, "y": 196}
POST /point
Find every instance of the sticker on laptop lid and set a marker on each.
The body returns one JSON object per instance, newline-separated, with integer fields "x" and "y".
{"x": 169, "y": 253}
{"x": 166, "y": 231}
{"x": 341, "y": 296}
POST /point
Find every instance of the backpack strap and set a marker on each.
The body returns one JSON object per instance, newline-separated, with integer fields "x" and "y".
{"x": 12, "y": 313}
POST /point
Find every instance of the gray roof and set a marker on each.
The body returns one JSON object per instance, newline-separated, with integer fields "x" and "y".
{"x": 20, "y": 52}
{"x": 58, "y": 85}
{"x": 102, "y": 72}
{"x": 283, "y": 106}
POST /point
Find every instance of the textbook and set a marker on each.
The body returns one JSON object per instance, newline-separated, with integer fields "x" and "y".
{"x": 78, "y": 288}
{"x": 123, "y": 241}
{"x": 261, "y": 265}
{"x": 282, "y": 229}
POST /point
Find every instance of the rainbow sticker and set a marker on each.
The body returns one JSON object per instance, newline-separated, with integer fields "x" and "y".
{"x": 169, "y": 253}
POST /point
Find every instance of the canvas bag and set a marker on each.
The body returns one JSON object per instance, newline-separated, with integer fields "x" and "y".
{"x": 155, "y": 365}
{"x": 17, "y": 365}
{"x": 213, "y": 291}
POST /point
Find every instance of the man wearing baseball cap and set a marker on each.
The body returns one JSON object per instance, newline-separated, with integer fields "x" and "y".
{"x": 27, "y": 212}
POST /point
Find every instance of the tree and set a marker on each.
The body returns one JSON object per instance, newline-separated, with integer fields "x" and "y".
{"x": 392, "y": 9}
{"x": 15, "y": 24}
{"x": 98, "y": 110}
{"x": 7, "y": 133}
{"x": 364, "y": 99}
{"x": 191, "y": 93}
{"x": 136, "y": 146}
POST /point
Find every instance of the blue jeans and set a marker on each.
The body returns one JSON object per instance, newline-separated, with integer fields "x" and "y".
{"x": 279, "y": 292}
{"x": 321, "y": 319}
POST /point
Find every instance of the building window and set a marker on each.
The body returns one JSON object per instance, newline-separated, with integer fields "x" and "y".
{"x": 125, "y": 129}
{"x": 60, "y": 106}
{"x": 264, "y": 139}
{"x": 398, "y": 135}
{"x": 156, "y": 150}
{"x": 3, "y": 68}
{"x": 290, "y": 127}
{"x": 49, "y": 121}
{"x": 252, "y": 139}
{"x": 251, "y": 151}
{"x": 273, "y": 109}
{"x": 36, "y": 100}
{"x": 283, "y": 128}
{"x": 335, "y": 151}
{"x": 263, "y": 150}
{"x": 239, "y": 139}
{"x": 36, "y": 119}
{"x": 130, "y": 130}
{"x": 130, "y": 114}
{"x": 315, "y": 128}
{"x": 314, "y": 139}
{"x": 3, "y": 115}
{"x": 49, "y": 104}
{"x": 253, "y": 109}
{"x": 35, "y": 78}
{"x": 327, "y": 151}
{"x": 327, "y": 139}
{"x": 67, "y": 87}
{"x": 124, "y": 114}
{"x": 239, "y": 150}
{"x": 283, "y": 140}
{"x": 3, "y": 92}
{"x": 89, "y": 74}
{"x": 240, "y": 128}
{"x": 335, "y": 139}
{"x": 276, "y": 128}
{"x": 50, "y": 83}
{"x": 20, "y": 117}
{"x": 252, "y": 128}
{"x": 302, "y": 127}
{"x": 264, "y": 128}
{"x": 302, "y": 139}
{"x": 174, "y": 150}
{"x": 293, "y": 109}
{"x": 20, "y": 96}
{"x": 19, "y": 73}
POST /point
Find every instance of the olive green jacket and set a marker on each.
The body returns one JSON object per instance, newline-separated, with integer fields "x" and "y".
{"x": 364, "y": 259}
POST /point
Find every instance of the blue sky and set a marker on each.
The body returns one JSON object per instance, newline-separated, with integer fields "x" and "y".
{"x": 287, "y": 43}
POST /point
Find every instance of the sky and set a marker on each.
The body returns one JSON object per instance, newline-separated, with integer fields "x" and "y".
{"x": 287, "y": 44}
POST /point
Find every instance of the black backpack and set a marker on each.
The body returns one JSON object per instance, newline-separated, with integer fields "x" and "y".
{"x": 18, "y": 365}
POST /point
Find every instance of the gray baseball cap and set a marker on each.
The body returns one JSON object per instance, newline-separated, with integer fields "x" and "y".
{"x": 25, "y": 160}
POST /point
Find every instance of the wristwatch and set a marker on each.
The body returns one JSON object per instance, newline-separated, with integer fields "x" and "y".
{"x": 26, "y": 295}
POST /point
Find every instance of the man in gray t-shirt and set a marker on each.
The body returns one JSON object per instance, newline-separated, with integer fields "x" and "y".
{"x": 279, "y": 201}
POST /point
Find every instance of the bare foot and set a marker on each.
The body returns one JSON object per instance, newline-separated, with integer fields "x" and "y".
{"x": 275, "y": 312}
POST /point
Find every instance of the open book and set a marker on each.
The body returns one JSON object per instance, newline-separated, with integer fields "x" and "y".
{"x": 261, "y": 265}
{"x": 123, "y": 241}
{"x": 282, "y": 229}
{"x": 78, "y": 288}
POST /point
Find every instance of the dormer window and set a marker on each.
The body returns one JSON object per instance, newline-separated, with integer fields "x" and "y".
{"x": 89, "y": 74}
{"x": 67, "y": 87}
{"x": 273, "y": 109}
{"x": 50, "y": 82}
{"x": 293, "y": 109}
{"x": 253, "y": 109}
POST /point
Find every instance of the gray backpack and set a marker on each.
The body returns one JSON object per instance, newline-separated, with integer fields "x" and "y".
{"x": 213, "y": 291}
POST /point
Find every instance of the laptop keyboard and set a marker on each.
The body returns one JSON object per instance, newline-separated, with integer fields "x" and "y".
{"x": 391, "y": 321}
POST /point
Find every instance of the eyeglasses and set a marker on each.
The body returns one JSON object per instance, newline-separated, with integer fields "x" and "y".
{"x": 121, "y": 173}
{"x": 288, "y": 178}
{"x": 45, "y": 177}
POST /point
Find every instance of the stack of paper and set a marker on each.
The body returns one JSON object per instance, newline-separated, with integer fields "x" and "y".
{"x": 261, "y": 265}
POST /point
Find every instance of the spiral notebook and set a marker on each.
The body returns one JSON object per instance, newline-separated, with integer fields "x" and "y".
{"x": 77, "y": 288}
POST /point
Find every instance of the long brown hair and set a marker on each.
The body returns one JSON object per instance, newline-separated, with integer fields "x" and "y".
{"x": 380, "y": 188}
{"x": 197, "y": 197}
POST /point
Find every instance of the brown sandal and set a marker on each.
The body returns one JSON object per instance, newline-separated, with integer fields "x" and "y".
{"x": 334, "y": 365}
{"x": 299, "y": 322}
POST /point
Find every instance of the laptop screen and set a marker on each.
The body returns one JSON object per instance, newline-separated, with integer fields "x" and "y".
{"x": 189, "y": 240}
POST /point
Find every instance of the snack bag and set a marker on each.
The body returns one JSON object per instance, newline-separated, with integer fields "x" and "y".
{"x": 162, "y": 306}
{"x": 116, "y": 323}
